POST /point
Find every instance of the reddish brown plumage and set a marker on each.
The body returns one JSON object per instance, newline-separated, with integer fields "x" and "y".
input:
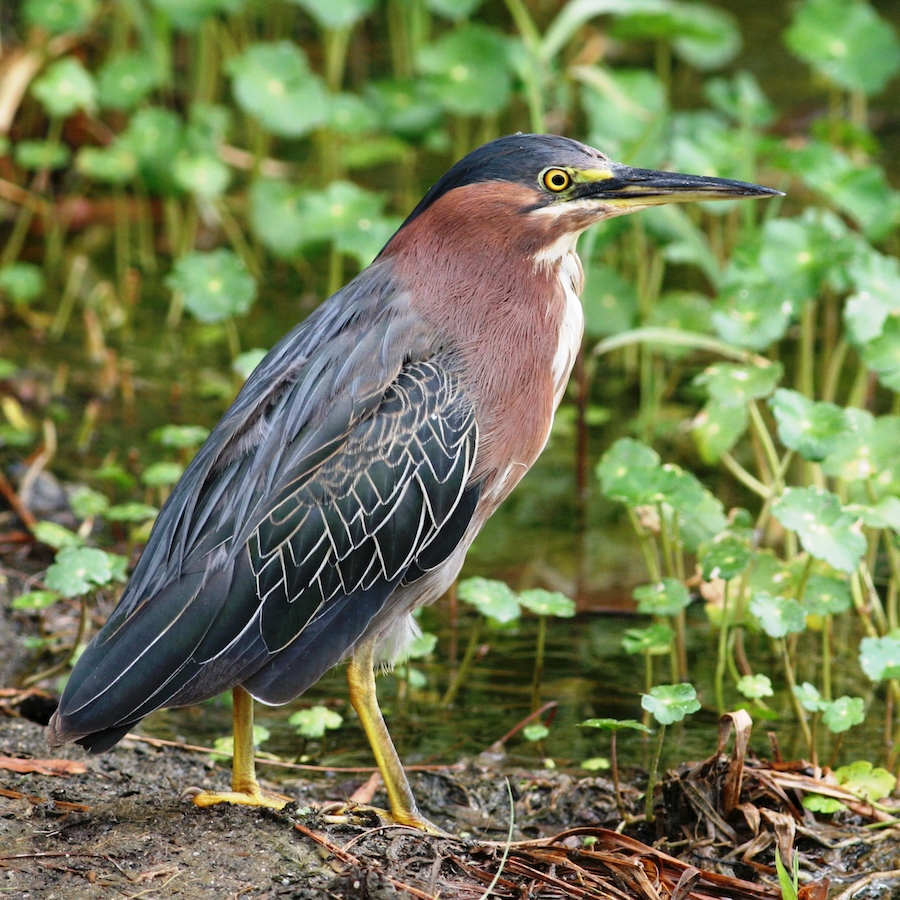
{"x": 468, "y": 262}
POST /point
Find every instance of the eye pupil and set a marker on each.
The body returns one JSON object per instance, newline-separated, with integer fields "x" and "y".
{"x": 557, "y": 180}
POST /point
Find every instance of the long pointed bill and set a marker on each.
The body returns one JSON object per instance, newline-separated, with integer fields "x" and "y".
{"x": 630, "y": 188}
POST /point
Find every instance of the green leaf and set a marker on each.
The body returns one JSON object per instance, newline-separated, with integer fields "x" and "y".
{"x": 730, "y": 384}
{"x": 704, "y": 36}
{"x": 57, "y": 536}
{"x": 78, "y": 570}
{"x": 35, "y": 600}
{"x": 868, "y": 782}
{"x": 879, "y": 657}
{"x": 876, "y": 296}
{"x": 494, "y": 599}
{"x": 741, "y": 98}
{"x": 59, "y": 16}
{"x": 547, "y": 603}
{"x": 421, "y": 646}
{"x": 615, "y": 725}
{"x": 669, "y": 703}
{"x": 596, "y": 764}
{"x": 882, "y": 354}
{"x": 624, "y": 469}
{"x": 181, "y": 437}
{"x": 726, "y": 556}
{"x": 21, "y": 282}
{"x": 215, "y": 285}
{"x": 224, "y": 746}
{"x": 189, "y": 15}
{"x": 244, "y": 363}
{"x": 883, "y": 514}
{"x": 41, "y": 155}
{"x": 456, "y": 10}
{"x": 655, "y": 639}
{"x": 87, "y": 503}
{"x": 126, "y": 80}
{"x": 716, "y": 429}
{"x": 315, "y": 721}
{"x": 337, "y": 13}
{"x": 847, "y": 42}
{"x": 755, "y": 687}
{"x": 842, "y": 714}
{"x": 131, "y": 512}
{"x": 789, "y": 882}
{"x": 162, "y": 474}
{"x": 203, "y": 174}
{"x": 664, "y": 598}
{"x": 273, "y": 82}
{"x": 468, "y": 69}
{"x": 66, "y": 87}
{"x": 154, "y": 136}
{"x": 626, "y": 112}
{"x": 752, "y": 312}
{"x": 537, "y": 731}
{"x": 870, "y": 451}
{"x": 809, "y": 697}
{"x": 825, "y": 530}
{"x": 778, "y": 616}
{"x": 826, "y": 595}
{"x": 609, "y": 300}
{"x": 825, "y": 805}
{"x": 811, "y": 428}
{"x": 115, "y": 164}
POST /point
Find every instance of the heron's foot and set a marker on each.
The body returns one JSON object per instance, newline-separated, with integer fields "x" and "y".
{"x": 374, "y": 816}
{"x": 267, "y": 799}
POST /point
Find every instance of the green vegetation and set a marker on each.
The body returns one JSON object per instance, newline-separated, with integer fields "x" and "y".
{"x": 163, "y": 163}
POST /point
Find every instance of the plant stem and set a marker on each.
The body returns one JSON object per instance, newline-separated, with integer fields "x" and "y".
{"x": 651, "y": 778}
{"x": 722, "y": 653}
{"x": 795, "y": 702}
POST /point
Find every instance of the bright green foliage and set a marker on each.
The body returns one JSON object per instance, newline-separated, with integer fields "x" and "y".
{"x": 181, "y": 436}
{"x": 847, "y": 42}
{"x": 879, "y": 657}
{"x": 312, "y": 723}
{"x": 755, "y": 687}
{"x": 35, "y": 600}
{"x": 732, "y": 385}
{"x": 131, "y": 512}
{"x": 614, "y": 725}
{"x": 274, "y": 83}
{"x": 162, "y": 474}
{"x": 536, "y": 731}
{"x": 778, "y": 616}
{"x": 669, "y": 703}
{"x": 126, "y": 80}
{"x": 842, "y": 714}
{"x": 812, "y": 429}
{"x": 215, "y": 285}
{"x": 469, "y": 70}
{"x": 789, "y": 882}
{"x": 826, "y": 595}
{"x": 655, "y": 639}
{"x": 65, "y": 87}
{"x": 224, "y": 746}
{"x": 87, "y": 503}
{"x": 825, "y": 530}
{"x": 78, "y": 570}
{"x": 337, "y": 13}
{"x": 870, "y": 783}
{"x": 666, "y": 597}
{"x": 42, "y": 155}
{"x": 189, "y": 15}
{"x": 494, "y": 599}
{"x": 547, "y": 603}
{"x": 21, "y": 282}
{"x": 115, "y": 164}
{"x": 56, "y": 536}
{"x": 59, "y": 16}
{"x": 727, "y": 555}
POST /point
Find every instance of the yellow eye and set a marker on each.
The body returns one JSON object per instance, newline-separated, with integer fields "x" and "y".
{"x": 556, "y": 180}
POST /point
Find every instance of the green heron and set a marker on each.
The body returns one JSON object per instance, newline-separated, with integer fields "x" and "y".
{"x": 344, "y": 486}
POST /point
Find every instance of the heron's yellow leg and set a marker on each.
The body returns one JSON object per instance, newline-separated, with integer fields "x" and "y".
{"x": 361, "y": 678}
{"x": 245, "y": 788}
